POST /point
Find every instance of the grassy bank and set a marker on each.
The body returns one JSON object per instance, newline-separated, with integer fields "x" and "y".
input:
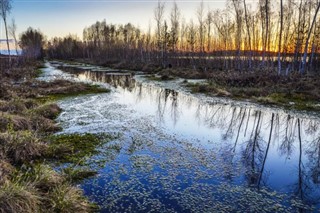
{"x": 29, "y": 150}
{"x": 292, "y": 92}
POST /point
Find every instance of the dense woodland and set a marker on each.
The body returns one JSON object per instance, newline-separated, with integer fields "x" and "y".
{"x": 281, "y": 36}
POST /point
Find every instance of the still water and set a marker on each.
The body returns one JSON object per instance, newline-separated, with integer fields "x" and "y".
{"x": 178, "y": 152}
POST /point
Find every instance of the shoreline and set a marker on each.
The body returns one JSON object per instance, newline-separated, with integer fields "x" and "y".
{"x": 291, "y": 92}
{"x": 31, "y": 152}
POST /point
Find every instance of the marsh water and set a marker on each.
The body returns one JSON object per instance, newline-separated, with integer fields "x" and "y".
{"x": 178, "y": 152}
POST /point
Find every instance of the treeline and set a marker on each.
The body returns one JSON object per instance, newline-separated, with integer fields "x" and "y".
{"x": 281, "y": 36}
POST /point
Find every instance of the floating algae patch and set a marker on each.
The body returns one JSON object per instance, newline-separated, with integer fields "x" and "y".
{"x": 86, "y": 90}
{"x": 76, "y": 148}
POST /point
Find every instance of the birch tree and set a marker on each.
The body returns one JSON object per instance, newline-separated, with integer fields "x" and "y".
{"x": 5, "y": 9}
{"x": 280, "y": 37}
{"x": 304, "y": 60}
{"x": 12, "y": 32}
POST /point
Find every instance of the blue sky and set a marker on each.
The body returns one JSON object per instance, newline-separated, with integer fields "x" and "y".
{"x": 62, "y": 17}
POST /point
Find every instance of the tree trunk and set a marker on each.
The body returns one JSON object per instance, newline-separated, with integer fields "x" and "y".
{"x": 280, "y": 37}
{"x": 7, "y": 37}
{"x": 304, "y": 61}
{"x": 248, "y": 31}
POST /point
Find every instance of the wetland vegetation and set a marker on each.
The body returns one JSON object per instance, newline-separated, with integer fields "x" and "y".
{"x": 30, "y": 181}
{"x": 220, "y": 114}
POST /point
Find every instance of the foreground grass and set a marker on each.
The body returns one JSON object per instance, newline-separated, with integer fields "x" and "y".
{"x": 28, "y": 150}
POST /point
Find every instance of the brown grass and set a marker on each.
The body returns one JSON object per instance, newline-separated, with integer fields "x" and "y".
{"x": 6, "y": 171}
{"x": 50, "y": 111}
{"x": 17, "y": 198}
{"x": 22, "y": 146}
{"x": 44, "y": 125}
{"x": 68, "y": 199}
{"x": 15, "y": 122}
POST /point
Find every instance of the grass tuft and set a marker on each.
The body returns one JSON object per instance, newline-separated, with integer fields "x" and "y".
{"x": 68, "y": 199}
{"x": 18, "y": 198}
{"x": 22, "y": 146}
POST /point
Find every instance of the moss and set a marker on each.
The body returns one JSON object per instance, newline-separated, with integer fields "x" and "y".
{"x": 89, "y": 89}
{"x": 74, "y": 148}
{"x": 38, "y": 72}
{"x": 290, "y": 101}
{"x": 75, "y": 175}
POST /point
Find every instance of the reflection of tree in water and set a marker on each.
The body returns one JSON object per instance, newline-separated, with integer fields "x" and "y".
{"x": 267, "y": 151}
{"x": 313, "y": 154}
{"x": 253, "y": 154}
{"x": 302, "y": 185}
{"x": 163, "y": 96}
{"x": 174, "y": 107}
{"x": 286, "y": 146}
{"x": 229, "y": 132}
{"x": 239, "y": 127}
{"x": 123, "y": 80}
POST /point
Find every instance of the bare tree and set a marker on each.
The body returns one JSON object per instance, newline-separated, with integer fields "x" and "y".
{"x": 238, "y": 11}
{"x": 248, "y": 31}
{"x": 209, "y": 21}
{"x": 12, "y": 32}
{"x": 158, "y": 16}
{"x": 5, "y": 9}
{"x": 264, "y": 11}
{"x": 280, "y": 37}
{"x": 304, "y": 61}
{"x": 174, "y": 18}
{"x": 200, "y": 15}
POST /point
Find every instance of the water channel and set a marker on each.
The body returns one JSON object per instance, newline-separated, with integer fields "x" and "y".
{"x": 179, "y": 152}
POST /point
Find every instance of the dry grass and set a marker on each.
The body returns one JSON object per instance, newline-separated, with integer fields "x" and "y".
{"x": 42, "y": 177}
{"x": 15, "y": 122}
{"x": 68, "y": 199}
{"x": 6, "y": 171}
{"x": 22, "y": 146}
{"x": 44, "y": 125}
{"x": 26, "y": 184}
{"x": 13, "y": 106}
{"x": 50, "y": 111}
{"x": 17, "y": 198}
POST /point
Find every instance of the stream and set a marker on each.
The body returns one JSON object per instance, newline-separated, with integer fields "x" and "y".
{"x": 179, "y": 152}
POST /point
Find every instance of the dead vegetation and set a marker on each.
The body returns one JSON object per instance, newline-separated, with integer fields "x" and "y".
{"x": 293, "y": 91}
{"x": 27, "y": 183}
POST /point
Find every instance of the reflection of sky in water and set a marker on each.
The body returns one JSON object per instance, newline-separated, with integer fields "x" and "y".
{"x": 177, "y": 151}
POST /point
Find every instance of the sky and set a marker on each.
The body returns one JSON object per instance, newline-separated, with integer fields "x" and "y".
{"x": 59, "y": 18}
